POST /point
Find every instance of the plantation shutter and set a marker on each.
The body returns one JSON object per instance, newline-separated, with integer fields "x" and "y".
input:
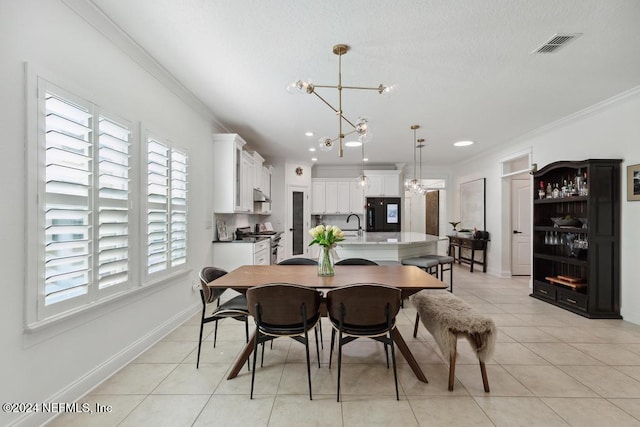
{"x": 86, "y": 206}
{"x": 178, "y": 208}
{"x": 166, "y": 206}
{"x": 113, "y": 193}
{"x": 67, "y": 204}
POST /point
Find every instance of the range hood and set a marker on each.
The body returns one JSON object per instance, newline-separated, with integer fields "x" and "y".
{"x": 260, "y": 197}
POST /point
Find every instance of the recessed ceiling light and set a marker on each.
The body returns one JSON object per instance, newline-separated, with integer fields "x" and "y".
{"x": 463, "y": 143}
{"x": 314, "y": 159}
{"x": 365, "y": 159}
{"x": 312, "y": 149}
{"x": 355, "y": 143}
{"x": 308, "y": 133}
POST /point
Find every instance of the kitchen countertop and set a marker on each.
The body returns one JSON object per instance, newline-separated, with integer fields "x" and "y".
{"x": 394, "y": 238}
{"x": 244, "y": 240}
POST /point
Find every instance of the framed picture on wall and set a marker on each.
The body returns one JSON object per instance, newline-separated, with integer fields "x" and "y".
{"x": 633, "y": 182}
{"x": 472, "y": 205}
{"x": 223, "y": 235}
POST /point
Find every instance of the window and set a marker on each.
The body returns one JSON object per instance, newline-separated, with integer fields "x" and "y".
{"x": 89, "y": 207}
{"x": 166, "y": 206}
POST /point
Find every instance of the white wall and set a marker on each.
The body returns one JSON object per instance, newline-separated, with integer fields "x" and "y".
{"x": 608, "y": 130}
{"x": 62, "y": 362}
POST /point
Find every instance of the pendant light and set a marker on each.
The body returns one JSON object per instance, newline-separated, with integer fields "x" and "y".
{"x": 413, "y": 184}
{"x": 421, "y": 188}
{"x": 363, "y": 180}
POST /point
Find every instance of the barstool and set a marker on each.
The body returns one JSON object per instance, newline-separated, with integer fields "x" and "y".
{"x": 442, "y": 260}
{"x": 424, "y": 263}
{"x": 439, "y": 260}
{"x": 427, "y": 265}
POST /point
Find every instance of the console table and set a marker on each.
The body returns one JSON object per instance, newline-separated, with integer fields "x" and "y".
{"x": 472, "y": 245}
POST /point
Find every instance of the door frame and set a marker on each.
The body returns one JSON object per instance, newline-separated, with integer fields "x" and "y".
{"x": 306, "y": 211}
{"x": 520, "y": 177}
{"x": 510, "y": 166}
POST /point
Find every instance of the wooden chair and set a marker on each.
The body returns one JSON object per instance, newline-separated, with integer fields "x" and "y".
{"x": 236, "y": 307}
{"x": 363, "y": 311}
{"x": 284, "y": 310}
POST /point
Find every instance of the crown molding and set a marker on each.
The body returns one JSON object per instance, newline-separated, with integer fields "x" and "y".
{"x": 95, "y": 17}
{"x": 574, "y": 117}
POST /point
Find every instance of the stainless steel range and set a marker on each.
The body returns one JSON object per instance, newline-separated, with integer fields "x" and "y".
{"x": 245, "y": 233}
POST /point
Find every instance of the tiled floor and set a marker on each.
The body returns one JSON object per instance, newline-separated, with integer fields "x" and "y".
{"x": 550, "y": 367}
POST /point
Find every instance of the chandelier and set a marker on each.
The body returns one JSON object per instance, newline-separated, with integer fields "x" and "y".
{"x": 360, "y": 127}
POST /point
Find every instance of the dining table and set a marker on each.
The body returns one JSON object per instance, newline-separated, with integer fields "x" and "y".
{"x": 409, "y": 279}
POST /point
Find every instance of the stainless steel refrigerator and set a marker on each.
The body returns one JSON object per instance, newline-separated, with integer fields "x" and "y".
{"x": 383, "y": 214}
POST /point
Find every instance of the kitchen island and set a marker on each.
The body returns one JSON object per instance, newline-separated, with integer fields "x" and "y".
{"x": 382, "y": 246}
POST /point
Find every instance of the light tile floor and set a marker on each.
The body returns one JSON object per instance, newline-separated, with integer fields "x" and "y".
{"x": 551, "y": 367}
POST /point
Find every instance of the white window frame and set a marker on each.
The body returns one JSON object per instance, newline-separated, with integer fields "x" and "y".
{"x": 37, "y": 314}
{"x": 152, "y": 277}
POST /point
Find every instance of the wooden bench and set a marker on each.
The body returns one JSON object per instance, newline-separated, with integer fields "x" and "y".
{"x": 447, "y": 317}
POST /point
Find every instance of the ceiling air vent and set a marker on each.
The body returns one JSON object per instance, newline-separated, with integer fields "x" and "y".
{"x": 556, "y": 42}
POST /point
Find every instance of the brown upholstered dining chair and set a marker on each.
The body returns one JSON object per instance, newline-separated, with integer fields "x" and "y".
{"x": 363, "y": 310}
{"x": 236, "y": 307}
{"x": 284, "y": 310}
{"x": 298, "y": 261}
{"x": 356, "y": 261}
{"x": 302, "y": 261}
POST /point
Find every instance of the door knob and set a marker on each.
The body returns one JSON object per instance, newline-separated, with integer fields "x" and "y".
{"x": 517, "y": 232}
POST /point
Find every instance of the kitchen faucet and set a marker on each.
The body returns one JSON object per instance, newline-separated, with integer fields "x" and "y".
{"x": 359, "y": 227}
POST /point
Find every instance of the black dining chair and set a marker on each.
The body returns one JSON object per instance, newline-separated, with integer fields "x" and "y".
{"x": 235, "y": 308}
{"x": 298, "y": 261}
{"x": 363, "y": 311}
{"x": 356, "y": 261}
{"x": 284, "y": 310}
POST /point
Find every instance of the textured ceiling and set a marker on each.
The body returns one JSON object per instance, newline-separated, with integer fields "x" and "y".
{"x": 463, "y": 69}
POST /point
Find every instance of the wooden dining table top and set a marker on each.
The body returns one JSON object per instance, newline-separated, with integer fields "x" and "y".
{"x": 409, "y": 279}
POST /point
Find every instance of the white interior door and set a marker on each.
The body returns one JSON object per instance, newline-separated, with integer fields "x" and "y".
{"x": 521, "y": 227}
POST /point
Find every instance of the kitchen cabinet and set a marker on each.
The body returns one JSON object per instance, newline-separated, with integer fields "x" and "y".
{"x": 259, "y": 178}
{"x": 383, "y": 183}
{"x": 247, "y": 183}
{"x": 336, "y": 196}
{"x": 231, "y": 255}
{"x": 356, "y": 197}
{"x": 264, "y": 208}
{"x": 229, "y": 174}
{"x": 576, "y": 255}
{"x": 317, "y": 197}
{"x": 343, "y": 197}
{"x": 258, "y": 162}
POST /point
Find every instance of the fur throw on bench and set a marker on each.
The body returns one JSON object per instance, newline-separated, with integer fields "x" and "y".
{"x": 446, "y": 317}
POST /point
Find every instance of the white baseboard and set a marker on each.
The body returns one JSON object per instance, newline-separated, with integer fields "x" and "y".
{"x": 85, "y": 384}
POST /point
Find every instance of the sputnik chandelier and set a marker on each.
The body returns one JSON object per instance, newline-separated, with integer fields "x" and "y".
{"x": 360, "y": 127}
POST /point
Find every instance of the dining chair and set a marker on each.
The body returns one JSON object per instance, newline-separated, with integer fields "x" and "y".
{"x": 298, "y": 261}
{"x": 284, "y": 310}
{"x": 356, "y": 261}
{"x": 235, "y": 308}
{"x": 303, "y": 261}
{"x": 363, "y": 311}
